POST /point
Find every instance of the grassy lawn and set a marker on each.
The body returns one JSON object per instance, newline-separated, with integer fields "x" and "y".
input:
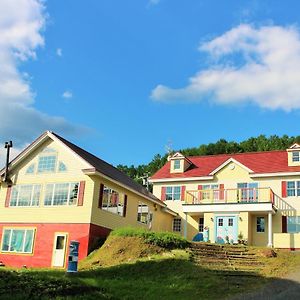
{"x": 165, "y": 277}
{"x": 139, "y": 265}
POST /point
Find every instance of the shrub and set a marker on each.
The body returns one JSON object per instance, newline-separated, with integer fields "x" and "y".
{"x": 162, "y": 239}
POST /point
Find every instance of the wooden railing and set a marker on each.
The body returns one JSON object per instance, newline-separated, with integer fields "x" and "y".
{"x": 241, "y": 195}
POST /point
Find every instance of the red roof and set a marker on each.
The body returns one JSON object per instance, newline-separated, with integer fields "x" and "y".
{"x": 258, "y": 162}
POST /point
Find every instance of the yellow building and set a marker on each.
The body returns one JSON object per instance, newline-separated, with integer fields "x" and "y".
{"x": 57, "y": 192}
{"x": 249, "y": 197}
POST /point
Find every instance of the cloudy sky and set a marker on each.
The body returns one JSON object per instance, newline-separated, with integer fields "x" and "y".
{"x": 123, "y": 79}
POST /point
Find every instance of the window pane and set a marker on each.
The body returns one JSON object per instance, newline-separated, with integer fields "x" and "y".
{"x": 176, "y": 164}
{"x": 17, "y": 240}
{"x": 291, "y": 184}
{"x": 143, "y": 212}
{"x": 48, "y": 194}
{"x": 220, "y": 222}
{"x": 47, "y": 163}
{"x": 61, "y": 191}
{"x": 14, "y": 196}
{"x": 260, "y": 224}
{"x": 36, "y": 195}
{"x": 28, "y": 241}
{"x": 73, "y": 193}
{"x": 25, "y": 195}
{"x": 5, "y": 239}
{"x": 177, "y": 225}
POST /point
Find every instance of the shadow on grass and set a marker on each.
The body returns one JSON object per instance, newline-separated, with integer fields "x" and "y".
{"x": 165, "y": 279}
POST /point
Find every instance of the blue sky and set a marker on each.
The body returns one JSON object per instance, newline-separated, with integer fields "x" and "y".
{"x": 123, "y": 79}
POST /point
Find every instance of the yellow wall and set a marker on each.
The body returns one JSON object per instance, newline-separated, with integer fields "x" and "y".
{"x": 89, "y": 212}
{"x": 287, "y": 240}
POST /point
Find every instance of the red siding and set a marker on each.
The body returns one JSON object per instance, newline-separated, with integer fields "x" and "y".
{"x": 43, "y": 245}
{"x": 81, "y": 193}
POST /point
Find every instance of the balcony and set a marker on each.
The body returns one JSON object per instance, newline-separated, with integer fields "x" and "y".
{"x": 241, "y": 199}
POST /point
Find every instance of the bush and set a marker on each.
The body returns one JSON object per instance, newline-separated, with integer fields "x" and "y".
{"x": 166, "y": 240}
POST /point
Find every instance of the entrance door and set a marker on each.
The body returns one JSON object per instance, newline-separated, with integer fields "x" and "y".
{"x": 59, "y": 251}
{"x": 226, "y": 229}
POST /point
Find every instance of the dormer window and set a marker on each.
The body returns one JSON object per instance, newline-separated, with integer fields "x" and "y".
{"x": 176, "y": 164}
{"x": 296, "y": 156}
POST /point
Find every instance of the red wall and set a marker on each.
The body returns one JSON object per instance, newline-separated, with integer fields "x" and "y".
{"x": 43, "y": 245}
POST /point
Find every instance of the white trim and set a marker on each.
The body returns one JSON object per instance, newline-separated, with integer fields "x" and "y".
{"x": 228, "y": 161}
{"x": 274, "y": 174}
{"x": 293, "y": 147}
{"x": 93, "y": 172}
{"x": 181, "y": 179}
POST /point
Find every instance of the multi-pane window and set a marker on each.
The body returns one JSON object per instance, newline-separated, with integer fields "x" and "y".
{"x": 173, "y": 193}
{"x": 220, "y": 222}
{"x": 296, "y": 156}
{"x": 247, "y": 191}
{"x": 61, "y": 194}
{"x": 47, "y": 163}
{"x": 260, "y": 224}
{"x": 17, "y": 240}
{"x": 293, "y": 188}
{"x": 25, "y": 195}
{"x": 112, "y": 202}
{"x": 210, "y": 191}
{"x": 177, "y": 225}
{"x": 230, "y": 222}
{"x": 293, "y": 224}
{"x": 143, "y": 214}
{"x": 176, "y": 164}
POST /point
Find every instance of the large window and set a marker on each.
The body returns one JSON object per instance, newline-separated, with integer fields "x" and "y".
{"x": 293, "y": 224}
{"x": 296, "y": 156}
{"x": 248, "y": 192}
{"x": 293, "y": 188}
{"x": 177, "y": 225}
{"x": 112, "y": 202}
{"x": 260, "y": 224}
{"x": 173, "y": 193}
{"x": 25, "y": 195}
{"x": 17, "y": 240}
{"x": 210, "y": 191}
{"x": 47, "y": 163}
{"x": 61, "y": 194}
{"x": 144, "y": 215}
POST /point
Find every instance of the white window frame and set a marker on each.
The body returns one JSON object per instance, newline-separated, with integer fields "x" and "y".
{"x": 177, "y": 225}
{"x": 259, "y": 224}
{"x": 293, "y": 221}
{"x": 19, "y": 187}
{"x": 295, "y": 189}
{"x": 295, "y": 156}
{"x": 177, "y": 164}
{"x": 149, "y": 216}
{"x": 69, "y": 194}
{"x": 47, "y": 156}
{"x": 172, "y": 193}
{"x": 120, "y": 203}
{"x": 24, "y": 239}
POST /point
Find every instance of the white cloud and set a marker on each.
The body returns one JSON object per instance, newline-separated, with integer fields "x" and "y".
{"x": 21, "y": 25}
{"x": 248, "y": 64}
{"x": 67, "y": 94}
{"x": 153, "y": 2}
{"x": 59, "y": 52}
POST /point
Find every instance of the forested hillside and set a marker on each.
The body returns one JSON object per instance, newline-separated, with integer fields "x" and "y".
{"x": 253, "y": 144}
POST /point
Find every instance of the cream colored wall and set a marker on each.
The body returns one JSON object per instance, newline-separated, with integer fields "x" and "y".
{"x": 162, "y": 221}
{"x": 287, "y": 240}
{"x": 49, "y": 214}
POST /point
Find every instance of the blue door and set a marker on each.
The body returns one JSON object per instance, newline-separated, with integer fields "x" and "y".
{"x": 226, "y": 229}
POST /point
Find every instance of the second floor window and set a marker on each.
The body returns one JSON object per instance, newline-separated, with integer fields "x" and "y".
{"x": 25, "y": 195}
{"x": 61, "y": 194}
{"x": 176, "y": 164}
{"x": 293, "y": 188}
{"x": 173, "y": 193}
{"x": 112, "y": 202}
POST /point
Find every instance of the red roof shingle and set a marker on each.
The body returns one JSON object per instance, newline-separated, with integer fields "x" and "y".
{"x": 258, "y": 162}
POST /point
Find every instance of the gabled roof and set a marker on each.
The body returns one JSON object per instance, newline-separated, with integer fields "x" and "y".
{"x": 257, "y": 162}
{"x": 92, "y": 162}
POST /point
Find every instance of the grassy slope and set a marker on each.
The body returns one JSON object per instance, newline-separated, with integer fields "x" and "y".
{"x": 137, "y": 270}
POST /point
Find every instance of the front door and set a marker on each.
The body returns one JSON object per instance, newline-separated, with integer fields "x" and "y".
{"x": 226, "y": 229}
{"x": 59, "y": 251}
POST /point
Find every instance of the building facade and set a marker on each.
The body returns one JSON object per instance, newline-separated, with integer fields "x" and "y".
{"x": 247, "y": 197}
{"x": 58, "y": 192}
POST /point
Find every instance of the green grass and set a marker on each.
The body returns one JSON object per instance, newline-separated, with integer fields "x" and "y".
{"x": 165, "y": 240}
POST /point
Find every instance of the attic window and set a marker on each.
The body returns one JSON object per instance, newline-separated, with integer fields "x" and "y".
{"x": 30, "y": 169}
{"x": 176, "y": 164}
{"x": 62, "y": 167}
{"x": 296, "y": 156}
{"x": 47, "y": 163}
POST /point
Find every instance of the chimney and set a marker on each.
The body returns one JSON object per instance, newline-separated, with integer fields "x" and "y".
{"x": 7, "y": 146}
